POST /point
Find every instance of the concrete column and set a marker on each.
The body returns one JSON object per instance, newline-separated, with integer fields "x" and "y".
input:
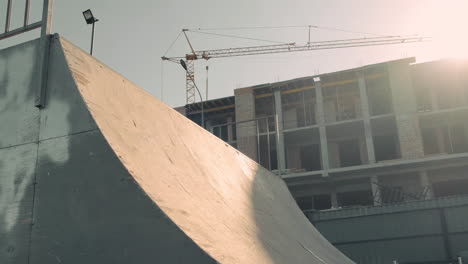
{"x": 229, "y": 130}
{"x": 246, "y": 131}
{"x": 374, "y": 180}
{"x": 280, "y": 136}
{"x": 366, "y": 118}
{"x": 426, "y": 183}
{"x": 322, "y": 131}
{"x": 405, "y": 109}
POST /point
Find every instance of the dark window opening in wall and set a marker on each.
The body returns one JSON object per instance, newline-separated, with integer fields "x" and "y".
{"x": 443, "y": 98}
{"x": 392, "y": 194}
{"x": 445, "y": 139}
{"x": 449, "y": 96}
{"x": 349, "y": 153}
{"x": 309, "y": 102}
{"x": 267, "y": 155}
{"x": 221, "y": 132}
{"x": 450, "y": 188}
{"x": 265, "y": 110}
{"x": 423, "y": 98}
{"x": 430, "y": 144}
{"x": 322, "y": 202}
{"x": 310, "y": 157}
{"x": 305, "y": 202}
{"x": 458, "y": 139}
{"x": 385, "y": 147}
{"x": 273, "y": 159}
{"x": 298, "y": 109}
{"x": 342, "y": 102}
{"x": 355, "y": 198}
{"x": 234, "y": 132}
{"x": 379, "y": 96}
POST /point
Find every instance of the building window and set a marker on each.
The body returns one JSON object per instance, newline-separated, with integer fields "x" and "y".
{"x": 267, "y": 155}
{"x": 265, "y": 110}
{"x": 392, "y": 194}
{"x": 221, "y": 132}
{"x": 349, "y": 153}
{"x": 451, "y": 188}
{"x": 298, "y": 109}
{"x": 458, "y": 139}
{"x": 322, "y": 202}
{"x": 429, "y": 137}
{"x": 423, "y": 97}
{"x": 305, "y": 202}
{"x": 445, "y": 139}
{"x": 310, "y": 157}
{"x": 355, "y": 198}
{"x": 379, "y": 96}
{"x": 342, "y": 102}
{"x": 316, "y": 202}
{"x": 385, "y": 147}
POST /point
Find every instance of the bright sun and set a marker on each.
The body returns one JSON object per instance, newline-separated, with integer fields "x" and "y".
{"x": 450, "y": 35}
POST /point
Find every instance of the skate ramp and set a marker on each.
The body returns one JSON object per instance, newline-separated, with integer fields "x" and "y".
{"x": 105, "y": 173}
{"x": 231, "y": 207}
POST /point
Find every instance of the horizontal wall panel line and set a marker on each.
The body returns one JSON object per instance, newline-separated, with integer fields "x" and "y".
{"x": 396, "y": 238}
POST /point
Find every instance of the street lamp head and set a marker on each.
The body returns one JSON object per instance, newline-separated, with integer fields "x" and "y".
{"x": 182, "y": 63}
{"x": 88, "y": 16}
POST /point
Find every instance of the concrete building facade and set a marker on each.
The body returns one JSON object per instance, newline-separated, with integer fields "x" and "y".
{"x": 371, "y": 137}
{"x": 377, "y": 134}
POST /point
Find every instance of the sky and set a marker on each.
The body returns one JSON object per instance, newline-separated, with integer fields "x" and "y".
{"x": 131, "y": 37}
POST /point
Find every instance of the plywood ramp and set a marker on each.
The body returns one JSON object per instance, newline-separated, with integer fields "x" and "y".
{"x": 231, "y": 207}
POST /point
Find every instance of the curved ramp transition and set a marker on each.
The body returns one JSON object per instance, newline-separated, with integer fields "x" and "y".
{"x": 234, "y": 209}
{"x": 105, "y": 173}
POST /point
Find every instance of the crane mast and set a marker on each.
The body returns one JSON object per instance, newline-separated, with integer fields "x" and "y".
{"x": 279, "y": 48}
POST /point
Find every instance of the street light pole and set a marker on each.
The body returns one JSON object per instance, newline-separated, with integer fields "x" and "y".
{"x": 92, "y": 39}
{"x": 90, "y": 19}
{"x": 182, "y": 63}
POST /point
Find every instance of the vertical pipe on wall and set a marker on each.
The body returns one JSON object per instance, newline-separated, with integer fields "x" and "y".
{"x": 8, "y": 16}
{"x": 26, "y": 12}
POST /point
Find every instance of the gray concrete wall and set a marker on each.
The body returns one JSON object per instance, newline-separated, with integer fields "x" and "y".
{"x": 64, "y": 195}
{"x": 431, "y": 231}
{"x": 19, "y": 132}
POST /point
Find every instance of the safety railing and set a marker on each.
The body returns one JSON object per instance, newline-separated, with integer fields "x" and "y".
{"x": 44, "y": 23}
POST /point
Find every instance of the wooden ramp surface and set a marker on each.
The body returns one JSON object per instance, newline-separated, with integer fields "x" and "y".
{"x": 235, "y": 210}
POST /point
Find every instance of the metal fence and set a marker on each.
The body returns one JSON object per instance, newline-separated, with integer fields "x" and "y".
{"x": 44, "y": 23}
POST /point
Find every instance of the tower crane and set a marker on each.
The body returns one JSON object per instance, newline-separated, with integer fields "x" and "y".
{"x": 278, "y": 48}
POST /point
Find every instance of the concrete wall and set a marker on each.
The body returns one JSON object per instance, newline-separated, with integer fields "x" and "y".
{"x": 432, "y": 231}
{"x": 64, "y": 195}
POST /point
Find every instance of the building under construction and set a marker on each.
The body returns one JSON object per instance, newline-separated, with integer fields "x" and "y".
{"x": 389, "y": 138}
